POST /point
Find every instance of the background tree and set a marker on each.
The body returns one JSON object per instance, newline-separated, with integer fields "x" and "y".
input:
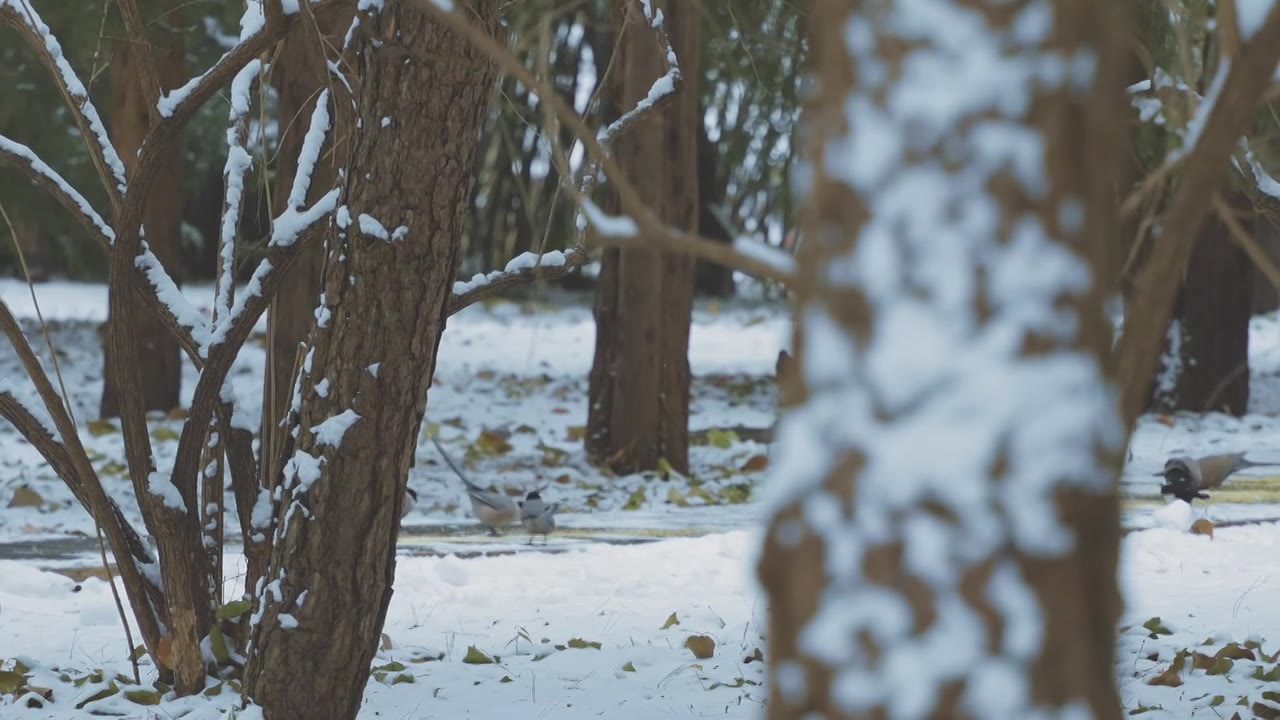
{"x": 130, "y": 120}
{"x": 976, "y": 579}
{"x": 638, "y": 401}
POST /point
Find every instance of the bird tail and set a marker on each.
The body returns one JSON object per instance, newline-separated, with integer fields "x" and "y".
{"x": 457, "y": 471}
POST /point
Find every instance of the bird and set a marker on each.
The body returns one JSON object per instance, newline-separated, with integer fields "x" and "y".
{"x": 539, "y": 517}
{"x": 410, "y": 499}
{"x": 1186, "y": 478}
{"x": 493, "y": 510}
{"x": 1182, "y": 480}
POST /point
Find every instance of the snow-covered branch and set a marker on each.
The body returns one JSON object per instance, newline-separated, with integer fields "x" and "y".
{"x": 21, "y": 15}
{"x": 24, "y": 158}
{"x": 238, "y": 164}
{"x": 522, "y": 269}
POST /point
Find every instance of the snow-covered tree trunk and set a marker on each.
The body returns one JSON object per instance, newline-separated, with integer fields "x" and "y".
{"x": 388, "y": 280}
{"x": 300, "y": 73}
{"x": 945, "y": 522}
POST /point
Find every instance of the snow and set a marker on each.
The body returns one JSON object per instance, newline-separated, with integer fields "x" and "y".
{"x": 161, "y": 485}
{"x": 523, "y": 261}
{"x": 331, "y": 431}
{"x": 30, "y": 400}
{"x": 606, "y": 224}
{"x": 1196, "y": 125}
{"x": 310, "y": 152}
{"x": 1251, "y": 14}
{"x": 776, "y": 258}
{"x": 369, "y": 225}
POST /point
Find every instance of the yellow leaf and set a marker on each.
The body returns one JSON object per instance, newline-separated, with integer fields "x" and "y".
{"x": 701, "y": 646}
{"x": 102, "y": 426}
{"x": 476, "y": 657}
{"x": 671, "y": 620}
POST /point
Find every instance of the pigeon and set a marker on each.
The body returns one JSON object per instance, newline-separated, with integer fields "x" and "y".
{"x": 1211, "y": 470}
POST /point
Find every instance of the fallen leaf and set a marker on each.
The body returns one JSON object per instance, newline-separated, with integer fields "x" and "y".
{"x": 386, "y": 641}
{"x": 490, "y": 443}
{"x": 1165, "y": 420}
{"x": 506, "y": 679}
{"x": 635, "y": 501}
{"x": 1202, "y": 527}
{"x": 102, "y": 426}
{"x": 143, "y": 697}
{"x": 1235, "y": 652}
{"x": 629, "y": 667}
{"x": 1221, "y": 666}
{"x": 476, "y": 657}
{"x": 701, "y": 646}
{"x": 164, "y": 433}
{"x": 26, "y": 497}
{"x": 1172, "y": 676}
{"x": 576, "y": 433}
{"x": 564, "y": 479}
{"x": 755, "y": 656}
{"x": 580, "y": 644}
{"x": 560, "y": 410}
{"x": 671, "y": 620}
{"x": 756, "y": 463}
{"x": 164, "y": 652}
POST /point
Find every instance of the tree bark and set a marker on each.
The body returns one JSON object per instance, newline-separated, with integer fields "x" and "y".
{"x": 943, "y": 545}
{"x": 372, "y": 354}
{"x": 639, "y": 383}
{"x": 300, "y": 73}
{"x": 1205, "y": 366}
{"x": 158, "y": 352}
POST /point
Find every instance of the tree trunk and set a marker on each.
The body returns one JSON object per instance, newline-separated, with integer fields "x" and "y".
{"x": 1205, "y": 366}
{"x": 300, "y": 74}
{"x": 158, "y": 352}
{"x": 639, "y": 384}
{"x": 371, "y": 360}
{"x": 944, "y": 543}
{"x": 710, "y": 278}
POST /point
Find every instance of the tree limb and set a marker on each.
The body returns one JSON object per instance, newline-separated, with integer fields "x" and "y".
{"x": 1156, "y": 284}
{"x": 146, "y": 60}
{"x": 484, "y": 286}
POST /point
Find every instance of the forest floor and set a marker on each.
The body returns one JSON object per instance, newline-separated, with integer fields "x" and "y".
{"x": 509, "y": 402}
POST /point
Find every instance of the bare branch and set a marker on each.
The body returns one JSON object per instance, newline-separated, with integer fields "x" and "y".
{"x": 23, "y": 17}
{"x": 1246, "y": 241}
{"x": 146, "y": 60}
{"x": 1156, "y": 284}
{"x": 649, "y": 228}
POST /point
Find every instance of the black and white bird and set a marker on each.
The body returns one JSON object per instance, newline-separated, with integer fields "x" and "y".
{"x": 1186, "y": 478}
{"x": 539, "y": 517}
{"x": 410, "y": 499}
{"x": 492, "y": 509}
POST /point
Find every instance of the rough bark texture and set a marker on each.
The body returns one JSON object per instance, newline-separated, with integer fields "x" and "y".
{"x": 826, "y": 554}
{"x": 158, "y": 352}
{"x": 386, "y": 301}
{"x": 300, "y": 74}
{"x": 1205, "y": 366}
{"x": 639, "y": 384}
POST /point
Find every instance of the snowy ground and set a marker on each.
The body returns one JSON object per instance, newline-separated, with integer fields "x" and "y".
{"x": 509, "y": 401}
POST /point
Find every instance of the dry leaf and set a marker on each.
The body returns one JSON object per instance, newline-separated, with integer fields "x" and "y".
{"x": 756, "y": 463}
{"x": 1172, "y": 676}
{"x": 577, "y": 433}
{"x": 26, "y": 497}
{"x": 701, "y": 646}
{"x": 671, "y": 620}
{"x": 164, "y": 652}
{"x": 386, "y": 641}
{"x": 1202, "y": 527}
{"x": 1165, "y": 420}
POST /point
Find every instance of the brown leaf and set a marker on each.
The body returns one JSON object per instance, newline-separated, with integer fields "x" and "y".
{"x": 560, "y": 410}
{"x": 577, "y": 433}
{"x": 701, "y": 646}
{"x": 1202, "y": 527}
{"x": 1165, "y": 420}
{"x": 564, "y": 479}
{"x": 26, "y": 497}
{"x": 1235, "y": 652}
{"x": 755, "y": 656}
{"x": 756, "y": 463}
{"x": 177, "y": 414}
{"x": 386, "y": 641}
{"x": 1265, "y": 712}
{"x": 1200, "y": 661}
{"x": 164, "y": 652}
{"x": 1172, "y": 676}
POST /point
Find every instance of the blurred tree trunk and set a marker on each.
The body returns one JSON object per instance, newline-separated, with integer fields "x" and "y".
{"x": 976, "y": 578}
{"x": 300, "y": 74}
{"x": 158, "y": 352}
{"x": 639, "y": 384}
{"x": 1205, "y": 366}
{"x": 372, "y": 360}
{"x": 711, "y": 278}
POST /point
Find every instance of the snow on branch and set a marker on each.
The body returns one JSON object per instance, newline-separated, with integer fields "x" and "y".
{"x": 23, "y": 17}
{"x": 310, "y": 152}
{"x": 522, "y": 269}
{"x": 170, "y": 297}
{"x": 238, "y": 164}
{"x": 652, "y": 230}
{"x": 42, "y": 174}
